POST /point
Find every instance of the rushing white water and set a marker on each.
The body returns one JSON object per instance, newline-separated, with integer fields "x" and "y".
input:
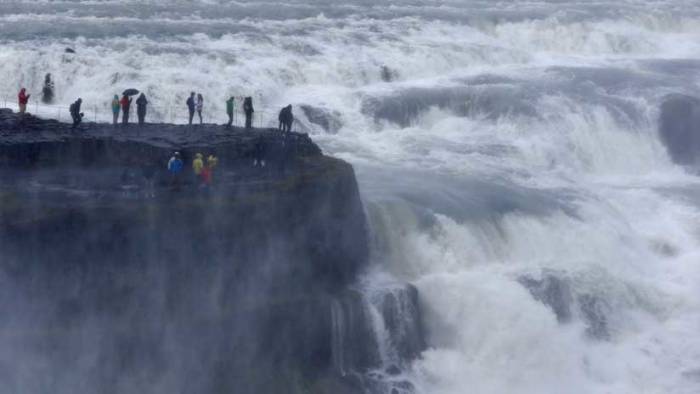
{"x": 512, "y": 139}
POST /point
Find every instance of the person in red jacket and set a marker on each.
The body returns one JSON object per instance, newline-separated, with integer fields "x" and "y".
{"x": 23, "y": 99}
{"x": 126, "y": 105}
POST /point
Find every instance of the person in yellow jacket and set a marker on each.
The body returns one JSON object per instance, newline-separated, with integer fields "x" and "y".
{"x": 198, "y": 168}
{"x": 198, "y": 164}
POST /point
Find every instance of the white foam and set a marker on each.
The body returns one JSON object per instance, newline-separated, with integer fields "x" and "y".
{"x": 609, "y": 210}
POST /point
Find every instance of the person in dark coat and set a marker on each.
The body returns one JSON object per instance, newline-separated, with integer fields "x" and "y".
{"x": 75, "y": 112}
{"x": 47, "y": 91}
{"x": 248, "y": 109}
{"x": 259, "y": 153}
{"x": 149, "y": 170}
{"x": 126, "y": 107}
{"x": 141, "y": 104}
{"x": 230, "y": 103}
{"x": 286, "y": 119}
{"x": 191, "y": 104}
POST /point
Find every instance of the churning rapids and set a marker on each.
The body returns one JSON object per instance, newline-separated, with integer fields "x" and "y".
{"x": 507, "y": 152}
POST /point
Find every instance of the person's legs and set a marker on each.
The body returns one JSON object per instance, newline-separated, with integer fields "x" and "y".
{"x": 22, "y": 108}
{"x": 191, "y": 115}
{"x": 200, "y": 116}
{"x": 116, "y": 118}
{"x": 230, "y": 119}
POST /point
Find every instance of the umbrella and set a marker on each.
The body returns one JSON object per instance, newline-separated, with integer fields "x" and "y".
{"x": 131, "y": 92}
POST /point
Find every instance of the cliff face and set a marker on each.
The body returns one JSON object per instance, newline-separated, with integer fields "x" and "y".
{"x": 112, "y": 289}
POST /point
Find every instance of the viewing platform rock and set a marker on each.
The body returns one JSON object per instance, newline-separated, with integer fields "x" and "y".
{"x": 31, "y": 140}
{"x": 246, "y": 284}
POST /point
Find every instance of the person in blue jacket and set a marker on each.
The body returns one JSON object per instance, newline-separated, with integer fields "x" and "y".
{"x": 175, "y": 166}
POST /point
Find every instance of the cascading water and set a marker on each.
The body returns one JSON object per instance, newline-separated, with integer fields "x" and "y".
{"x": 507, "y": 152}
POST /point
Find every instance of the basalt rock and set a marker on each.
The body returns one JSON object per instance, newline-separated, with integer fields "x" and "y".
{"x": 555, "y": 291}
{"x": 679, "y": 128}
{"x": 329, "y": 121}
{"x": 111, "y": 285}
{"x": 376, "y": 334}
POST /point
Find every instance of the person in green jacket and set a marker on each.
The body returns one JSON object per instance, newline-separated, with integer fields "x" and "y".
{"x": 115, "y": 108}
{"x": 229, "y": 110}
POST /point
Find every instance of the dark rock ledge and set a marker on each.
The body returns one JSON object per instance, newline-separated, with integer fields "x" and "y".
{"x": 107, "y": 288}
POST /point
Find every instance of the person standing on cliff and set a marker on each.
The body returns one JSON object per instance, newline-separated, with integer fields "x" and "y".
{"x": 141, "y": 104}
{"x": 230, "y": 103}
{"x": 286, "y": 118}
{"x": 126, "y": 106}
{"x": 200, "y": 106}
{"x": 23, "y": 99}
{"x": 75, "y": 112}
{"x": 249, "y": 110}
{"x": 116, "y": 107}
{"x": 191, "y": 106}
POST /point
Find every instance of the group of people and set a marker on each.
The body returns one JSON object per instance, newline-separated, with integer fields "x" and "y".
{"x": 203, "y": 170}
{"x": 124, "y": 105}
{"x": 195, "y": 104}
{"x": 286, "y": 118}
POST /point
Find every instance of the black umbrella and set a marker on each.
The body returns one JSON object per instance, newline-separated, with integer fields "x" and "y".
{"x": 131, "y": 92}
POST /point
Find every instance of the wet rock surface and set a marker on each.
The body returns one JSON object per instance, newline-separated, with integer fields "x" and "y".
{"x": 27, "y": 140}
{"x": 679, "y": 128}
{"x": 329, "y": 121}
{"x": 556, "y": 291}
{"x": 179, "y": 288}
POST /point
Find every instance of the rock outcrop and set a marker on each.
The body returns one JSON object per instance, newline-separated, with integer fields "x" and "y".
{"x": 679, "y": 128}
{"x": 555, "y": 290}
{"x": 114, "y": 288}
